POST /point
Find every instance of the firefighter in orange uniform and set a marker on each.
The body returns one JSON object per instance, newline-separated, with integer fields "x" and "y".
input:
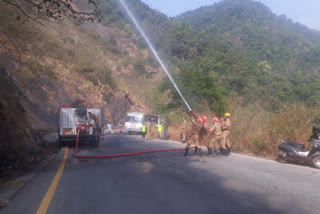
{"x": 183, "y": 130}
{"x": 216, "y": 135}
{"x": 148, "y": 130}
{"x": 196, "y": 135}
{"x": 225, "y": 142}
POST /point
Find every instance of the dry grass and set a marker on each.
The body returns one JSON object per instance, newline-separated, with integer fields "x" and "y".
{"x": 259, "y": 132}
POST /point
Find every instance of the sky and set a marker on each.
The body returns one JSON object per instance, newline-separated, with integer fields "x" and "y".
{"x": 306, "y": 12}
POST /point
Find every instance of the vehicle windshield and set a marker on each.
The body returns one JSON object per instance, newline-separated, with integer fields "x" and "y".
{"x": 135, "y": 118}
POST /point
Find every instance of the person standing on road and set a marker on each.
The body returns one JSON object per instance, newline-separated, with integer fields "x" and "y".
{"x": 160, "y": 128}
{"x": 216, "y": 133}
{"x": 120, "y": 127}
{"x": 225, "y": 142}
{"x": 143, "y": 130}
{"x": 109, "y": 128}
{"x": 148, "y": 130}
{"x": 165, "y": 128}
{"x": 196, "y": 134}
{"x": 183, "y": 130}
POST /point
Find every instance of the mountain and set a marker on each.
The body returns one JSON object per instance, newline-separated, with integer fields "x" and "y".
{"x": 252, "y": 27}
{"x": 284, "y": 51}
{"x": 242, "y": 47}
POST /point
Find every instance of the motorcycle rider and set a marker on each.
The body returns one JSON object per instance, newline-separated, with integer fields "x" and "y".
{"x": 198, "y": 132}
{"x": 315, "y": 135}
{"x": 315, "y": 132}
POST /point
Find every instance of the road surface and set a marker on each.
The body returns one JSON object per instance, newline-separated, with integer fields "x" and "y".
{"x": 167, "y": 183}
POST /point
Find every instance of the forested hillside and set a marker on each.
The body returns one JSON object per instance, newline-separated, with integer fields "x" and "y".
{"x": 243, "y": 48}
{"x": 281, "y": 55}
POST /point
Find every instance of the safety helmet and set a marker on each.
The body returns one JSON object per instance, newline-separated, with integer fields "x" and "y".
{"x": 204, "y": 119}
{"x": 227, "y": 115}
{"x": 216, "y": 119}
{"x": 200, "y": 120}
{"x": 316, "y": 130}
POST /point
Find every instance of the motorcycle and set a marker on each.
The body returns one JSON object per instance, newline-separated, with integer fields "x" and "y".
{"x": 290, "y": 151}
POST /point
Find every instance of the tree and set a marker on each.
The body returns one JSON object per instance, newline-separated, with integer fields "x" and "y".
{"x": 56, "y": 10}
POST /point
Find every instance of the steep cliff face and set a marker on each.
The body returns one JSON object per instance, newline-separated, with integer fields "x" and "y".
{"x": 19, "y": 145}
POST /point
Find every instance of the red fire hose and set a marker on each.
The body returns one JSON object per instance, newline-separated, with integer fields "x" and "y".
{"x": 123, "y": 154}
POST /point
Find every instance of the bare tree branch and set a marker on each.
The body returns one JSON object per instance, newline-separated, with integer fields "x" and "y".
{"x": 57, "y": 10}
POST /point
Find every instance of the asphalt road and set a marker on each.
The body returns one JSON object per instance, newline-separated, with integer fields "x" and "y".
{"x": 169, "y": 183}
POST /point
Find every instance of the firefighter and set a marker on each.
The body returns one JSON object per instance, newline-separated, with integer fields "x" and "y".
{"x": 217, "y": 148}
{"x": 225, "y": 142}
{"x": 216, "y": 135}
{"x": 93, "y": 123}
{"x": 196, "y": 134}
{"x": 183, "y": 130}
{"x": 203, "y": 133}
{"x": 148, "y": 129}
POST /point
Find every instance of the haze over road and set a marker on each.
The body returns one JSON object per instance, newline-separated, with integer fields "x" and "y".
{"x": 169, "y": 183}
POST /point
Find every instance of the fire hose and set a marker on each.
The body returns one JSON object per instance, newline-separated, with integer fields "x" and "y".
{"x": 123, "y": 154}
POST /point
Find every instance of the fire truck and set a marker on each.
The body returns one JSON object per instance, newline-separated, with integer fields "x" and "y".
{"x": 88, "y": 122}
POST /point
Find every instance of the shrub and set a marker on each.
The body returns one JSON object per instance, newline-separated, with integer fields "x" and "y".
{"x": 140, "y": 67}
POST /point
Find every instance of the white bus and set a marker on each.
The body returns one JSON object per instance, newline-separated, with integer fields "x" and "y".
{"x": 135, "y": 121}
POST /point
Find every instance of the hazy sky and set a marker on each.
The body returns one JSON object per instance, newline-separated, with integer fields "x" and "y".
{"x": 306, "y": 12}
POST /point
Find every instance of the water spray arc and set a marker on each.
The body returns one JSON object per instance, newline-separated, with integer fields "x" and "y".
{"x": 153, "y": 51}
